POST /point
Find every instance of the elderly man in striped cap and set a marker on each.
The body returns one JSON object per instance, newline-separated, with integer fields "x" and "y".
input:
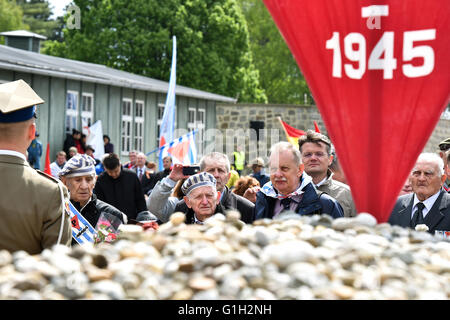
{"x": 78, "y": 175}
{"x": 201, "y": 197}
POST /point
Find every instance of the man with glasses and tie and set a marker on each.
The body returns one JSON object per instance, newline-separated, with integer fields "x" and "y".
{"x": 429, "y": 204}
{"x": 290, "y": 189}
{"x": 316, "y": 150}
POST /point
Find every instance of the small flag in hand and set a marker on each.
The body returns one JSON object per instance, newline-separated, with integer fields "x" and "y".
{"x": 47, "y": 169}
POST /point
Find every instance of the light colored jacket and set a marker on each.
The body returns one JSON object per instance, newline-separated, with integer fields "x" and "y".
{"x": 30, "y": 208}
{"x": 160, "y": 203}
{"x": 341, "y": 192}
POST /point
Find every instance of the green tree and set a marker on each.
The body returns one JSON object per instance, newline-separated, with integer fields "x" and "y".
{"x": 10, "y": 16}
{"x": 213, "y": 48}
{"x": 279, "y": 74}
{"x": 36, "y": 14}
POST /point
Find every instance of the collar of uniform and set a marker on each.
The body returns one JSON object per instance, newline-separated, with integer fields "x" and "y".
{"x": 12, "y": 153}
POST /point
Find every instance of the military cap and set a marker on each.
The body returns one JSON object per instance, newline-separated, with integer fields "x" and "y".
{"x": 198, "y": 180}
{"x": 445, "y": 144}
{"x": 17, "y": 102}
{"x": 78, "y": 165}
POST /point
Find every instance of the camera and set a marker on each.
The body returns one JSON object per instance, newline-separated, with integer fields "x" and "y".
{"x": 190, "y": 170}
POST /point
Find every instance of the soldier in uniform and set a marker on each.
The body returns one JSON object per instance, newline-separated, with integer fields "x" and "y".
{"x": 31, "y": 203}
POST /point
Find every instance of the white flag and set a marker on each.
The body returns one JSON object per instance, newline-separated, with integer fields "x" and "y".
{"x": 95, "y": 139}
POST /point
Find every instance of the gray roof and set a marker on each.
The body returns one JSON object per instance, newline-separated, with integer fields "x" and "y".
{"x": 22, "y": 33}
{"x": 31, "y": 62}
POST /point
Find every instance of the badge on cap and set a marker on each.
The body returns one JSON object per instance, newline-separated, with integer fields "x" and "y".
{"x": 17, "y": 101}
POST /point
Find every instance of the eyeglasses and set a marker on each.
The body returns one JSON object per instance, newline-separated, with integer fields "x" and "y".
{"x": 308, "y": 155}
{"x": 444, "y": 147}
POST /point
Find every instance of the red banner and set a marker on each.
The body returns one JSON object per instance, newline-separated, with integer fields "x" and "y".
{"x": 380, "y": 75}
{"x": 47, "y": 169}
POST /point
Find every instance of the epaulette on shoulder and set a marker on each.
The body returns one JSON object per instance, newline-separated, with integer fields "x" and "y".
{"x": 46, "y": 175}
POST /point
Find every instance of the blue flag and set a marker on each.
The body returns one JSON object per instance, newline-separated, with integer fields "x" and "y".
{"x": 182, "y": 150}
{"x": 168, "y": 121}
{"x": 82, "y": 231}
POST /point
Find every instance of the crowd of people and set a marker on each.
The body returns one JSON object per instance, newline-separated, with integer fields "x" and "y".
{"x": 302, "y": 179}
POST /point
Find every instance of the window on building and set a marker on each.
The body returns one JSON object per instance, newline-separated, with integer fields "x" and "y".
{"x": 87, "y": 111}
{"x": 127, "y": 119}
{"x": 197, "y": 121}
{"x": 71, "y": 111}
{"x": 160, "y": 116}
{"x": 200, "y": 123}
{"x": 139, "y": 125}
{"x": 161, "y": 107}
{"x": 192, "y": 115}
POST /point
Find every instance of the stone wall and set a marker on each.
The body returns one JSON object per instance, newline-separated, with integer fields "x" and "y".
{"x": 233, "y": 121}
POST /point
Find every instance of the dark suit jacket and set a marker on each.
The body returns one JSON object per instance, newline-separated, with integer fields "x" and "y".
{"x": 147, "y": 180}
{"x": 438, "y": 218}
{"x": 124, "y": 193}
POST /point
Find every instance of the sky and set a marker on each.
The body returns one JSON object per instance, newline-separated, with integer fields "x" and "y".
{"x": 58, "y": 7}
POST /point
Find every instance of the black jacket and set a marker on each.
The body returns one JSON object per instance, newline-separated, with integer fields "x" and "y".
{"x": 93, "y": 209}
{"x": 438, "y": 218}
{"x": 124, "y": 193}
{"x": 147, "y": 182}
{"x": 229, "y": 201}
{"x": 190, "y": 214}
{"x": 311, "y": 203}
{"x": 69, "y": 142}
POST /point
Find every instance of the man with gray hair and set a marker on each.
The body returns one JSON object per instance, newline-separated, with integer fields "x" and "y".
{"x": 78, "y": 175}
{"x": 215, "y": 163}
{"x": 201, "y": 197}
{"x": 291, "y": 189}
{"x": 429, "y": 204}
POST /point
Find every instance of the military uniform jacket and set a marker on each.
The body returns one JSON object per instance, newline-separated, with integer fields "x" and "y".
{"x": 30, "y": 208}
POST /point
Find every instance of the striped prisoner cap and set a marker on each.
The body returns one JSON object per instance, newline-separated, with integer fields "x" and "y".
{"x": 198, "y": 180}
{"x": 79, "y": 165}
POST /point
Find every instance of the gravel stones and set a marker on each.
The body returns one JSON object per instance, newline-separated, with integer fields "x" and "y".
{"x": 291, "y": 257}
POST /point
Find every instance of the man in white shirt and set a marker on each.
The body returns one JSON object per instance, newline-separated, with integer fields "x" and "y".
{"x": 429, "y": 204}
{"x": 58, "y": 164}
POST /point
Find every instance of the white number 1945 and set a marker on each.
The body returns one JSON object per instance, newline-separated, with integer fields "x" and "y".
{"x": 384, "y": 46}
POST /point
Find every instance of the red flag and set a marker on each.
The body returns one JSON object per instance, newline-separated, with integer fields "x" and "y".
{"x": 292, "y": 134}
{"x": 380, "y": 77}
{"x": 47, "y": 169}
{"x": 316, "y": 127}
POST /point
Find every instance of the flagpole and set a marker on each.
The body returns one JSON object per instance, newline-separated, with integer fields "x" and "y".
{"x": 168, "y": 121}
{"x": 285, "y": 132}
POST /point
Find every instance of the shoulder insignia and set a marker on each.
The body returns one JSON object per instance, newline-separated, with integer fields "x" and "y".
{"x": 42, "y": 173}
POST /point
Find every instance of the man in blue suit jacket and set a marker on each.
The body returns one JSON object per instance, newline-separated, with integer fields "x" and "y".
{"x": 291, "y": 189}
{"x": 429, "y": 204}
